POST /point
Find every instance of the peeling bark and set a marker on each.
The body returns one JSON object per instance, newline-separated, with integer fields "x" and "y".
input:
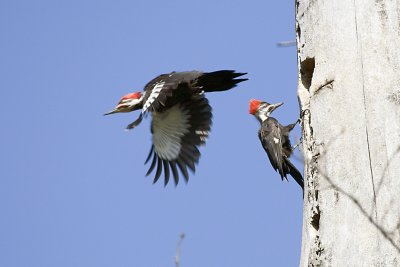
{"x": 349, "y": 93}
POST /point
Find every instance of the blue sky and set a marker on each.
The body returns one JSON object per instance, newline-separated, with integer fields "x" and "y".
{"x": 72, "y": 184}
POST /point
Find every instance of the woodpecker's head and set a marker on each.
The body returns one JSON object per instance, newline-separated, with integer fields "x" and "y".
{"x": 128, "y": 103}
{"x": 261, "y": 109}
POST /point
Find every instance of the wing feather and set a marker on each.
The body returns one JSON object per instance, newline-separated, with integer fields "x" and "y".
{"x": 159, "y": 170}
{"x": 166, "y": 172}
{"x": 174, "y": 170}
{"x": 177, "y": 133}
{"x": 183, "y": 169}
{"x": 153, "y": 163}
{"x": 150, "y": 154}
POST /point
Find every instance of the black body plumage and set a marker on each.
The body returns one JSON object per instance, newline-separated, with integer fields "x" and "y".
{"x": 275, "y": 140}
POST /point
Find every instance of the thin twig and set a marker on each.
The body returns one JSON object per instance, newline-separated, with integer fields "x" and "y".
{"x": 363, "y": 211}
{"x": 386, "y": 168}
{"x": 286, "y": 43}
{"x": 178, "y": 250}
{"x": 384, "y": 233}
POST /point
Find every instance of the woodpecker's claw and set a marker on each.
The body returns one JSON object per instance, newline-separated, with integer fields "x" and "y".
{"x": 135, "y": 123}
{"x": 296, "y": 145}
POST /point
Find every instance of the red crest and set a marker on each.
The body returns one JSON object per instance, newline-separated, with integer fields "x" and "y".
{"x": 254, "y": 105}
{"x": 136, "y": 95}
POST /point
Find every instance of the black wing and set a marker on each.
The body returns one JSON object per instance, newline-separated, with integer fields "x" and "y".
{"x": 270, "y": 135}
{"x": 177, "y": 133}
{"x": 167, "y": 90}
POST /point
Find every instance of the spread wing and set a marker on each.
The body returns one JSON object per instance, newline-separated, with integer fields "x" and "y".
{"x": 168, "y": 89}
{"x": 177, "y": 133}
{"x": 271, "y": 139}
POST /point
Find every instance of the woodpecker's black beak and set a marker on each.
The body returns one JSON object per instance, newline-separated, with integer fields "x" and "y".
{"x": 120, "y": 108}
{"x": 275, "y": 106}
{"x": 111, "y": 112}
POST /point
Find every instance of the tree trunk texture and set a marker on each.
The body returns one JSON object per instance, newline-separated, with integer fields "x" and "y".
{"x": 349, "y": 92}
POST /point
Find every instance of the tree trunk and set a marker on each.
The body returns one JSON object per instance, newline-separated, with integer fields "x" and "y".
{"x": 349, "y": 92}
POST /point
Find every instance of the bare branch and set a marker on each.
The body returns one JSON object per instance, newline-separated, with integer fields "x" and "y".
{"x": 178, "y": 250}
{"x": 286, "y": 43}
{"x": 385, "y": 234}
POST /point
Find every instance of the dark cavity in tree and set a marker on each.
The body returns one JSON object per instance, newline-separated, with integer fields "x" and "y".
{"x": 307, "y": 70}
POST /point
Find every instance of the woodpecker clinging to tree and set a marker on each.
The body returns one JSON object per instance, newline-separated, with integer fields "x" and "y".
{"x": 181, "y": 116}
{"x": 275, "y": 139}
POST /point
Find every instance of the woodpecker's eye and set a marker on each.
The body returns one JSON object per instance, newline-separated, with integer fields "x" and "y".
{"x": 123, "y": 100}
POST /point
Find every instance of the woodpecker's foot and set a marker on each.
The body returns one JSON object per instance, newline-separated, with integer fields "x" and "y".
{"x": 291, "y": 126}
{"x": 303, "y": 113}
{"x": 296, "y": 145}
{"x": 135, "y": 123}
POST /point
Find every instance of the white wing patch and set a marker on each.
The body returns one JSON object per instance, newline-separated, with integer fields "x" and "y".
{"x": 154, "y": 94}
{"x": 202, "y": 134}
{"x": 276, "y": 140}
{"x": 168, "y": 129}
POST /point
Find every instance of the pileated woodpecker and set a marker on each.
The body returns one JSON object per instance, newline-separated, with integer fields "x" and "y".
{"x": 181, "y": 117}
{"x": 275, "y": 140}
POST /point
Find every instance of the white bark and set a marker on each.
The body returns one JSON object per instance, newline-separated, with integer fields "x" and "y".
{"x": 349, "y": 91}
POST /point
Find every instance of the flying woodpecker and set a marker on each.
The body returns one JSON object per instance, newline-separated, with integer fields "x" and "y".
{"x": 275, "y": 140}
{"x": 181, "y": 117}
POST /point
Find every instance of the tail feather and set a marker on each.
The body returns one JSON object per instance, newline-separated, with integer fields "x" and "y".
{"x": 221, "y": 80}
{"x": 295, "y": 174}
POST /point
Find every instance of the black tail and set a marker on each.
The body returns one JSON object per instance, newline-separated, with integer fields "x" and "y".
{"x": 221, "y": 80}
{"x": 295, "y": 173}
